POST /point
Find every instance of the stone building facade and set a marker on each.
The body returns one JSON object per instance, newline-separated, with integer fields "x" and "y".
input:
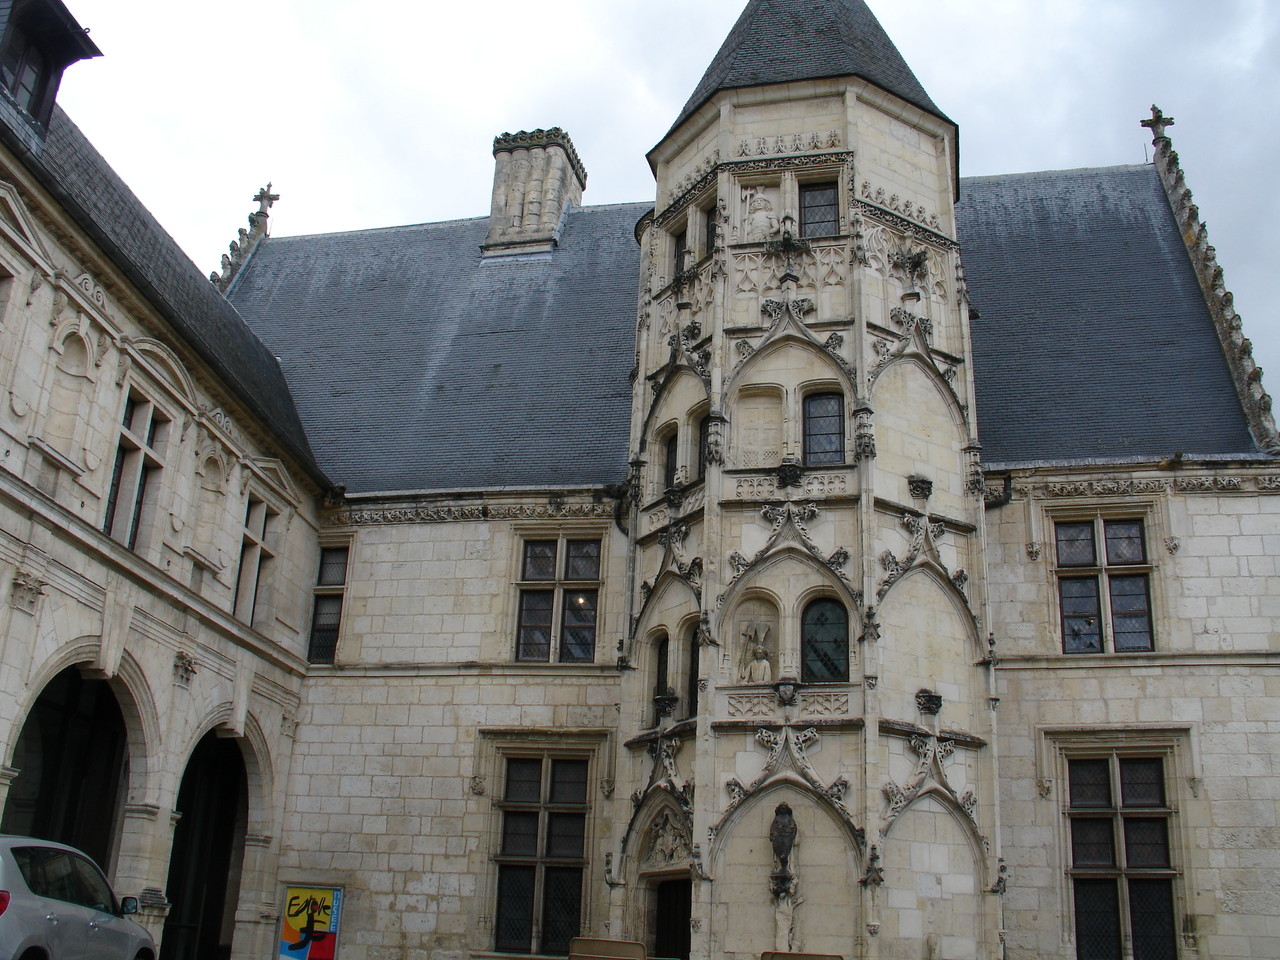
{"x": 807, "y": 602}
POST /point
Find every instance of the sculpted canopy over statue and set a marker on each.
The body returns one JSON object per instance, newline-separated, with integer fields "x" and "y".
{"x": 761, "y": 221}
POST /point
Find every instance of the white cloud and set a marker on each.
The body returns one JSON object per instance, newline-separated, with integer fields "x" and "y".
{"x": 385, "y": 116}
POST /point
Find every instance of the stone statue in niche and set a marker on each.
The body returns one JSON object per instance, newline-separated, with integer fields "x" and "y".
{"x": 756, "y": 666}
{"x": 783, "y": 882}
{"x": 762, "y": 222}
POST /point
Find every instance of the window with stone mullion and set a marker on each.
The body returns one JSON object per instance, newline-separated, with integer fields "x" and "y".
{"x": 1121, "y": 858}
{"x": 1086, "y": 574}
{"x": 560, "y": 580}
{"x": 542, "y": 855}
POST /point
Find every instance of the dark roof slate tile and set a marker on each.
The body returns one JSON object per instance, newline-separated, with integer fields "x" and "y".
{"x": 1094, "y": 340}
{"x": 69, "y": 166}
{"x": 779, "y": 41}
{"x": 420, "y": 365}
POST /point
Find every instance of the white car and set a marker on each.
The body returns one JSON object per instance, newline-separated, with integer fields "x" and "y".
{"x": 55, "y": 904}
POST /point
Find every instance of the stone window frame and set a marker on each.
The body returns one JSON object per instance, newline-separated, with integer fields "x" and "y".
{"x": 1099, "y": 512}
{"x": 559, "y": 585}
{"x": 802, "y": 610}
{"x": 808, "y": 394}
{"x": 494, "y": 747}
{"x": 139, "y": 465}
{"x": 261, "y": 546}
{"x": 809, "y": 184}
{"x": 324, "y": 594}
{"x": 1175, "y": 746}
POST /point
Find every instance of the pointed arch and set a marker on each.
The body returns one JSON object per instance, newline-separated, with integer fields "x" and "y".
{"x": 668, "y": 386}
{"x": 805, "y": 341}
{"x": 784, "y": 781}
{"x": 931, "y": 372}
{"x": 977, "y": 842}
{"x": 928, "y": 567}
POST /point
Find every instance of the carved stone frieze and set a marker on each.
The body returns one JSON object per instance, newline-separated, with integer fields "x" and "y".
{"x": 824, "y": 704}
{"x": 751, "y": 704}
{"x": 755, "y": 488}
{"x": 908, "y": 228}
{"x": 451, "y": 513}
{"x": 793, "y": 143}
{"x": 913, "y": 211}
{"x": 825, "y": 484}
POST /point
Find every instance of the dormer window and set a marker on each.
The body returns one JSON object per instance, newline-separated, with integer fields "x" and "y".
{"x": 24, "y": 69}
{"x": 41, "y": 39}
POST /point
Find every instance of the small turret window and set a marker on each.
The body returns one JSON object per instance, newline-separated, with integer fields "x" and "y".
{"x": 823, "y": 429}
{"x": 819, "y": 210}
{"x": 824, "y": 642}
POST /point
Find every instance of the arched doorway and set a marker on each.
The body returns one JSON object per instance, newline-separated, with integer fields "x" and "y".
{"x": 208, "y": 851}
{"x": 71, "y": 761}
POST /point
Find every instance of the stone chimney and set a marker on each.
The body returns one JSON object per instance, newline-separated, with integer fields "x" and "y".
{"x": 538, "y": 176}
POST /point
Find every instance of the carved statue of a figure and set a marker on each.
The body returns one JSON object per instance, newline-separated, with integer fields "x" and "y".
{"x": 782, "y": 837}
{"x": 761, "y": 221}
{"x": 759, "y": 670}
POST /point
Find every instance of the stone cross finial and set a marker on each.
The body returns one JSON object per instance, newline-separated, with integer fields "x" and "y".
{"x": 264, "y": 198}
{"x": 1157, "y": 123}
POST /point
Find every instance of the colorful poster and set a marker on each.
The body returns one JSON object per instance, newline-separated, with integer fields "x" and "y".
{"x": 309, "y": 924}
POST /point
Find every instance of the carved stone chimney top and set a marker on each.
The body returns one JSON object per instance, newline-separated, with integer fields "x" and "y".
{"x": 537, "y": 178}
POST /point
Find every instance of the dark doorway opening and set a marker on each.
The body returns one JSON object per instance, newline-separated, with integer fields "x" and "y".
{"x": 208, "y": 851}
{"x": 71, "y": 761}
{"x": 672, "y": 902}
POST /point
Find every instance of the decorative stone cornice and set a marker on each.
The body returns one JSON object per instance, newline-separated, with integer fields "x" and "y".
{"x": 550, "y": 137}
{"x": 1245, "y": 373}
{"x": 457, "y": 513}
{"x": 1149, "y": 486}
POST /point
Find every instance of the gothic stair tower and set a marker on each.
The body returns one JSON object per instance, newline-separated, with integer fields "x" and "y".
{"x": 808, "y": 726}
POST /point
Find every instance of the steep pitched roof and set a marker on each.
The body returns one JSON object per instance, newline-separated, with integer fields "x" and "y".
{"x": 108, "y": 211}
{"x": 420, "y": 365}
{"x": 1094, "y": 340}
{"x": 778, "y": 41}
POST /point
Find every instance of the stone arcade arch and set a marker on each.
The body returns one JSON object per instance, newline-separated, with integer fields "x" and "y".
{"x": 203, "y": 886}
{"x": 73, "y": 761}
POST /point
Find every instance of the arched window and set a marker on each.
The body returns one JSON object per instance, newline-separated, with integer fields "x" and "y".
{"x": 661, "y": 676}
{"x": 824, "y": 642}
{"x": 823, "y": 429}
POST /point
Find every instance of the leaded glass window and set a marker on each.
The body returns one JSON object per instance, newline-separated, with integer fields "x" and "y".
{"x": 542, "y": 855}
{"x": 819, "y": 210}
{"x": 823, "y": 428}
{"x": 824, "y": 643}
{"x": 558, "y": 598}
{"x": 1104, "y": 594}
{"x": 1121, "y": 858}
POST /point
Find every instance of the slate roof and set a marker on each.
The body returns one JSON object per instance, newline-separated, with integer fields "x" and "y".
{"x": 419, "y": 365}
{"x": 779, "y": 41}
{"x": 91, "y": 192}
{"x": 1094, "y": 339}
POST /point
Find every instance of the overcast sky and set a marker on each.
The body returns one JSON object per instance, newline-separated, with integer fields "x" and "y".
{"x": 385, "y": 115}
